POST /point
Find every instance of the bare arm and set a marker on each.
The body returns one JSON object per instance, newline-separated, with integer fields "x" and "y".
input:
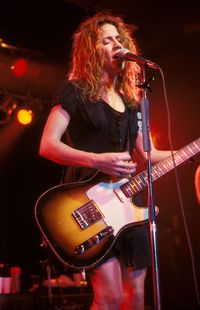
{"x": 197, "y": 183}
{"x": 156, "y": 155}
{"x": 53, "y": 148}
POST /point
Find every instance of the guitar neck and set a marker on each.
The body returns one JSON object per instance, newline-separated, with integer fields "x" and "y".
{"x": 140, "y": 181}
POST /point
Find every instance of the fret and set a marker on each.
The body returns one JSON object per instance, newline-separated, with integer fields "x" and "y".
{"x": 197, "y": 146}
{"x": 158, "y": 166}
{"x": 129, "y": 190}
{"x": 136, "y": 185}
{"x": 186, "y": 155}
{"x": 156, "y": 172}
{"x": 163, "y": 164}
{"x": 140, "y": 181}
{"x": 177, "y": 155}
{"x": 155, "y": 176}
{"x": 133, "y": 187}
{"x": 191, "y": 150}
{"x": 164, "y": 167}
{"x": 170, "y": 164}
{"x": 143, "y": 176}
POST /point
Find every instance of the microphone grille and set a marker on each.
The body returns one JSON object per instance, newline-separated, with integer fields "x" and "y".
{"x": 122, "y": 52}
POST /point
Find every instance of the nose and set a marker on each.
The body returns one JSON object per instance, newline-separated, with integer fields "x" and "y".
{"x": 116, "y": 45}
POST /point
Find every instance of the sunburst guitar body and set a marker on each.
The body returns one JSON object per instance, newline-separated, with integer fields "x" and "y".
{"x": 81, "y": 221}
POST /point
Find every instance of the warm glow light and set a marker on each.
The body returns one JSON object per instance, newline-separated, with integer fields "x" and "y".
{"x": 25, "y": 117}
{"x": 19, "y": 67}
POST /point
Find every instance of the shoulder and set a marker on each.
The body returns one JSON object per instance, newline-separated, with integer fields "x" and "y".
{"x": 67, "y": 89}
{"x": 67, "y": 95}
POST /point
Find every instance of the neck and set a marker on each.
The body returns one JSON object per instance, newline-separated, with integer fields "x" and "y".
{"x": 110, "y": 81}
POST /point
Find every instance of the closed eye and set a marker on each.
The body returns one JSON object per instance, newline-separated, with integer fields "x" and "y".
{"x": 108, "y": 40}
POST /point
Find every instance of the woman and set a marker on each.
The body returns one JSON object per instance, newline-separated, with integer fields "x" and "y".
{"x": 93, "y": 126}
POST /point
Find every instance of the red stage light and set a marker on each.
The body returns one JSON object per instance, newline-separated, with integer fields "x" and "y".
{"x": 19, "y": 67}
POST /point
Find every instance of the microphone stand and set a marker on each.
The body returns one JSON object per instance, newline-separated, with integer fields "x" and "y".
{"x": 48, "y": 266}
{"x": 151, "y": 207}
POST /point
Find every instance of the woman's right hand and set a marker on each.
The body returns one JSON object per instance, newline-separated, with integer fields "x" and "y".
{"x": 115, "y": 164}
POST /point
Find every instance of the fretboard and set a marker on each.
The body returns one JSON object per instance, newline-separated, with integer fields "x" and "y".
{"x": 140, "y": 181}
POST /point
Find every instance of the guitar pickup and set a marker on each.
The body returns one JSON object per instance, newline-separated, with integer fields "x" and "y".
{"x": 118, "y": 192}
{"x": 94, "y": 240}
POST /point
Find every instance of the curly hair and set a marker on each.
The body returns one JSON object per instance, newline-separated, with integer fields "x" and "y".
{"x": 88, "y": 61}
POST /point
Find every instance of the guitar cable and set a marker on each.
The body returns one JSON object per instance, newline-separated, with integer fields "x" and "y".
{"x": 179, "y": 191}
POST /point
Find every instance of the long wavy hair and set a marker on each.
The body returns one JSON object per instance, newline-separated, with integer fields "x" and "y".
{"x": 88, "y": 60}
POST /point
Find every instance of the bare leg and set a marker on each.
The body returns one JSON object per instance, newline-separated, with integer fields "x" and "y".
{"x": 133, "y": 286}
{"x": 107, "y": 286}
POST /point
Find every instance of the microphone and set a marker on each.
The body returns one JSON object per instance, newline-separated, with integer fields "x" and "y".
{"x": 125, "y": 54}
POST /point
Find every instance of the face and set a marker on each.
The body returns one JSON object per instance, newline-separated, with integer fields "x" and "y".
{"x": 110, "y": 44}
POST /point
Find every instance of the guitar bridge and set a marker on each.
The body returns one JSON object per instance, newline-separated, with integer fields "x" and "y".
{"x": 87, "y": 214}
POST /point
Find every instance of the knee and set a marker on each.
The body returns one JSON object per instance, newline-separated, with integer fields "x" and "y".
{"x": 133, "y": 298}
{"x": 139, "y": 296}
{"x": 115, "y": 299}
{"x": 108, "y": 299}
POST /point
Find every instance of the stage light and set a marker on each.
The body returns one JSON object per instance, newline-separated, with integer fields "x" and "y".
{"x": 7, "y": 107}
{"x": 18, "y": 109}
{"x": 25, "y": 116}
{"x": 19, "y": 67}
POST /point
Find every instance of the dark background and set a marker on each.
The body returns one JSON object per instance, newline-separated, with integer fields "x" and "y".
{"x": 168, "y": 33}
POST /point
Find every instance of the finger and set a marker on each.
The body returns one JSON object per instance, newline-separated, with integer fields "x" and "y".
{"x": 128, "y": 165}
{"x": 126, "y": 170}
{"x": 125, "y": 156}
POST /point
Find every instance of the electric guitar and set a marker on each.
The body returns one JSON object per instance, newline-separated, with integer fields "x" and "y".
{"x": 81, "y": 221}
